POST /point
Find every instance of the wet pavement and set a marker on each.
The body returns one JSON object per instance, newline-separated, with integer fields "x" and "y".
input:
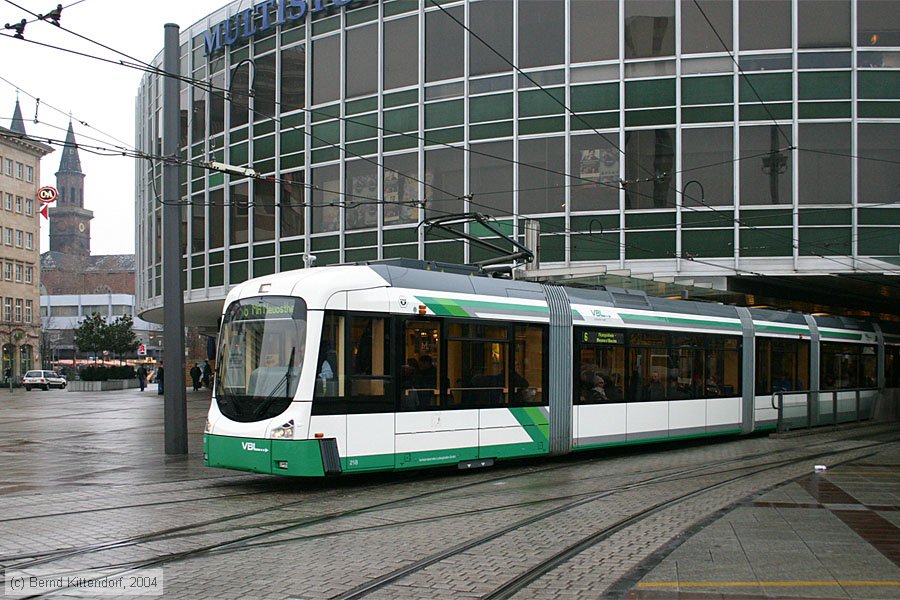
{"x": 85, "y": 483}
{"x": 830, "y": 534}
{"x": 57, "y": 439}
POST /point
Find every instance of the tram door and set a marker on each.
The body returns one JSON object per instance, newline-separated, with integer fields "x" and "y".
{"x": 431, "y": 428}
{"x": 356, "y": 380}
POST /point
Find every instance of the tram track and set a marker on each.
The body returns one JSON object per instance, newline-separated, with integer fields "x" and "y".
{"x": 287, "y": 524}
{"x": 55, "y": 555}
{"x": 518, "y": 583}
{"x": 259, "y": 539}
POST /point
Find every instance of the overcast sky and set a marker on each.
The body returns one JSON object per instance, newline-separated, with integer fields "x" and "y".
{"x": 98, "y": 94}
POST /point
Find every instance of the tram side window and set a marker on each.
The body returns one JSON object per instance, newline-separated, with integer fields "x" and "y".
{"x": 723, "y": 367}
{"x": 419, "y": 371}
{"x": 781, "y": 365}
{"x": 600, "y": 366}
{"x": 682, "y": 366}
{"x": 527, "y": 377}
{"x": 847, "y": 366}
{"x": 353, "y": 367}
{"x": 648, "y": 367}
{"x": 478, "y": 364}
{"x": 686, "y": 378}
{"x": 369, "y": 366}
{"x": 331, "y": 367}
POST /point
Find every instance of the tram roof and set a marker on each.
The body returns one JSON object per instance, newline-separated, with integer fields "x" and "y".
{"x": 446, "y": 277}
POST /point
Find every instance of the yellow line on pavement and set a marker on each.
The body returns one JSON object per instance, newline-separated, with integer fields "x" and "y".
{"x": 863, "y": 473}
{"x": 714, "y": 584}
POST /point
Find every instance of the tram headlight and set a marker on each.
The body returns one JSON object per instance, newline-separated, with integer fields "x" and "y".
{"x": 283, "y": 432}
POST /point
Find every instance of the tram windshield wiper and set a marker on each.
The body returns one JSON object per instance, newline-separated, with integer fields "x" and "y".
{"x": 285, "y": 381}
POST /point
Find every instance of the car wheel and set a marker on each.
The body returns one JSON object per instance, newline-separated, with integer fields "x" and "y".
{"x": 27, "y": 388}
{"x": 63, "y": 386}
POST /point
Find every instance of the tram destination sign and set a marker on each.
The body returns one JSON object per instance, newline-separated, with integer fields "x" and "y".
{"x": 260, "y": 18}
{"x": 603, "y": 337}
{"x": 269, "y": 308}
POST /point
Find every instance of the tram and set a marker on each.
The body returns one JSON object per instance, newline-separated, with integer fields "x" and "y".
{"x": 403, "y": 364}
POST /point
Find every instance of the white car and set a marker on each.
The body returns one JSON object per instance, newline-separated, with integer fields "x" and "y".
{"x": 44, "y": 380}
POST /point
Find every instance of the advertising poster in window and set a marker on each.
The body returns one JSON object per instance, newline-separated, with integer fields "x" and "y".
{"x": 363, "y": 202}
{"x": 391, "y": 197}
{"x": 600, "y": 165}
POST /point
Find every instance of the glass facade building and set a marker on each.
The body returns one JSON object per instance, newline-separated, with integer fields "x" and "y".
{"x": 695, "y": 139}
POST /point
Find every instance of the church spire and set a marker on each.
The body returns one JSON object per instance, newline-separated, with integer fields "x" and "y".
{"x": 18, "y": 123}
{"x": 70, "y": 221}
{"x": 70, "y": 161}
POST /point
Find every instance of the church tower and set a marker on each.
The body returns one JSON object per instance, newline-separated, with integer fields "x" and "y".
{"x": 70, "y": 222}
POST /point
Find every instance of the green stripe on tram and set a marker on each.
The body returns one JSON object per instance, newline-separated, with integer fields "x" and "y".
{"x": 637, "y": 318}
{"x": 465, "y": 308}
{"x": 763, "y": 328}
{"x": 444, "y": 307}
{"x": 841, "y": 335}
{"x": 534, "y": 421}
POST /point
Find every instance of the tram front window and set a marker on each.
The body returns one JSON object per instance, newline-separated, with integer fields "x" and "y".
{"x": 261, "y": 352}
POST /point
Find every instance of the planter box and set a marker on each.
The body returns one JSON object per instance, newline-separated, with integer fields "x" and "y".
{"x": 102, "y": 386}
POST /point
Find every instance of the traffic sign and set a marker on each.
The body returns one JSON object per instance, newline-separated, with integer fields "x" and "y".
{"x": 142, "y": 350}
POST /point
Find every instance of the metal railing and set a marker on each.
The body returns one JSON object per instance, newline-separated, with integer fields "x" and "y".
{"x": 805, "y": 413}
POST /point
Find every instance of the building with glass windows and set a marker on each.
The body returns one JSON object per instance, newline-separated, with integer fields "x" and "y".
{"x": 737, "y": 147}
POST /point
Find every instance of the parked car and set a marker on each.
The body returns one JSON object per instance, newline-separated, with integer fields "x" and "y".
{"x": 44, "y": 380}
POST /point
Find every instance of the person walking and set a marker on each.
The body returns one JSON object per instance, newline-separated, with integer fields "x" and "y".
{"x": 142, "y": 376}
{"x": 159, "y": 379}
{"x": 195, "y": 376}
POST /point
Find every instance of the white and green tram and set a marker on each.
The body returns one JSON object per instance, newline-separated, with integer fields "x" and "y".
{"x": 397, "y": 365}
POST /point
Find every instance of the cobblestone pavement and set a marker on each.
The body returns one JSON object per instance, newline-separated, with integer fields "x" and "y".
{"x": 85, "y": 484}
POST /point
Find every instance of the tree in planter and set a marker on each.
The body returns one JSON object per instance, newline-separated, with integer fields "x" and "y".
{"x": 91, "y": 335}
{"x": 121, "y": 338}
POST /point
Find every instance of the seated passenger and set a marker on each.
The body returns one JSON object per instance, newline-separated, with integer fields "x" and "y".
{"x": 613, "y": 393}
{"x": 598, "y": 392}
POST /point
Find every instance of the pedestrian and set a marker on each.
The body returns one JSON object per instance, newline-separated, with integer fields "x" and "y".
{"x": 142, "y": 376}
{"x": 195, "y": 376}
{"x": 207, "y": 376}
{"x": 159, "y": 379}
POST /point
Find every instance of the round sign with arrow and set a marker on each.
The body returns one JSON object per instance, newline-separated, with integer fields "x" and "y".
{"x": 47, "y": 195}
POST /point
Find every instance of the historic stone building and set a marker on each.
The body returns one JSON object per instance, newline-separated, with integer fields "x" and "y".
{"x": 20, "y": 325}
